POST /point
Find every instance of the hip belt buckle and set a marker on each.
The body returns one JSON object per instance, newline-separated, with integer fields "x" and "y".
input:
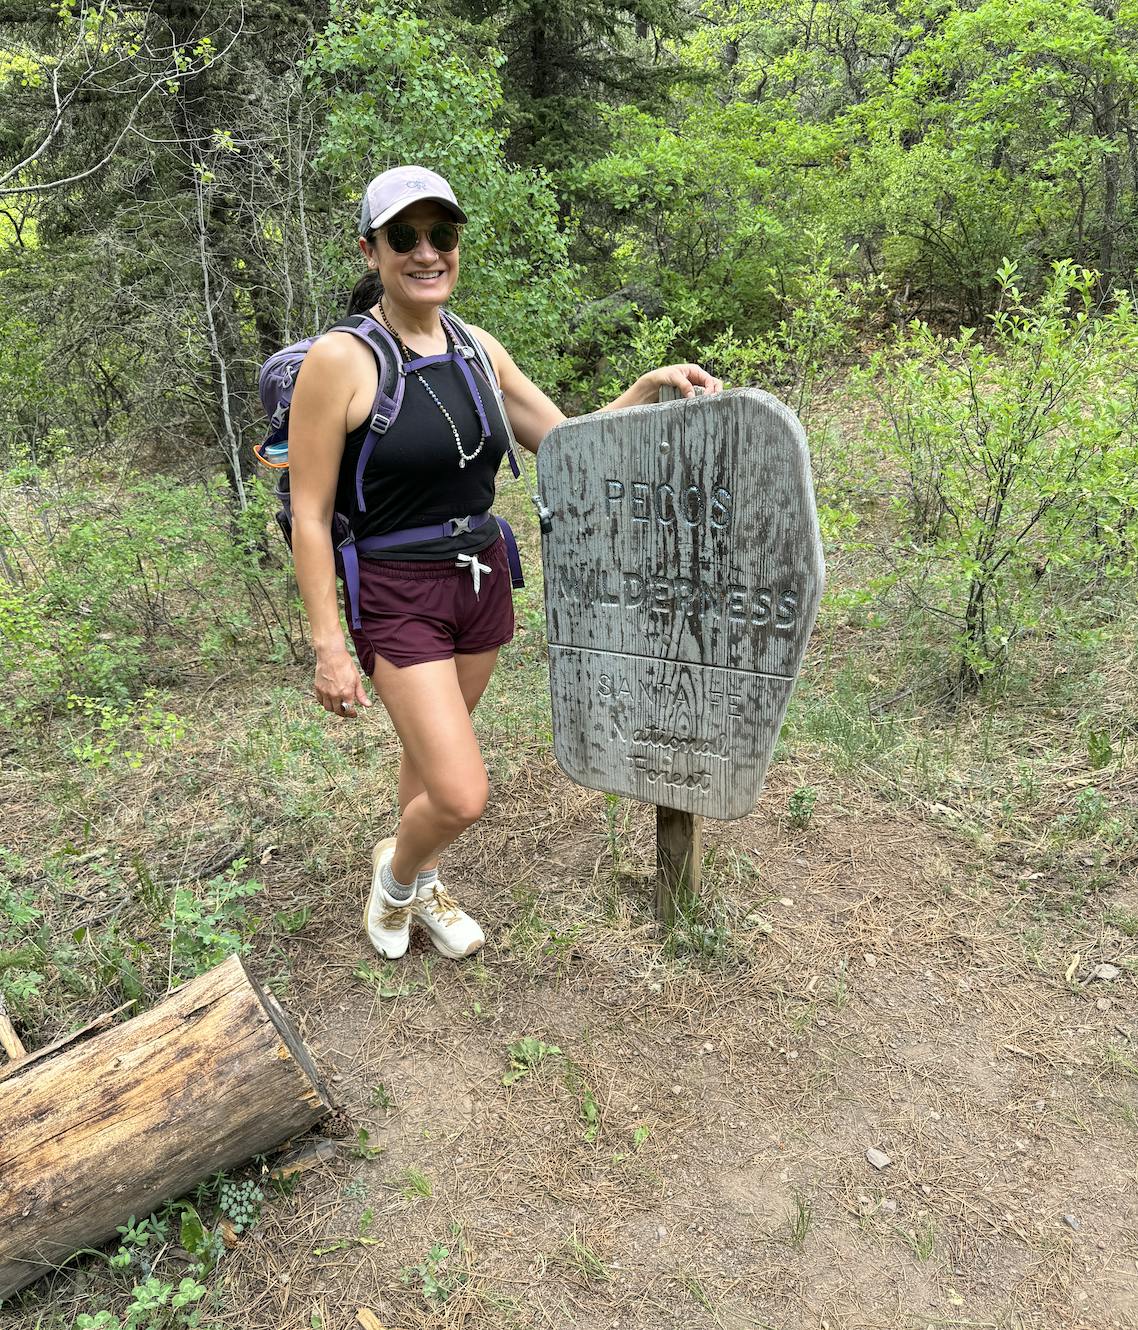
{"x": 460, "y": 525}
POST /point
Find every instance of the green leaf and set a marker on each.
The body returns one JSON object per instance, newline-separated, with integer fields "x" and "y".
{"x": 191, "y": 1232}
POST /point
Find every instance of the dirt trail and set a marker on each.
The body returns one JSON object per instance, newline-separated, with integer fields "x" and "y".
{"x": 873, "y": 991}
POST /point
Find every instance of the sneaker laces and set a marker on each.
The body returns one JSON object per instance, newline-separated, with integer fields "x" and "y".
{"x": 395, "y": 915}
{"x": 442, "y": 904}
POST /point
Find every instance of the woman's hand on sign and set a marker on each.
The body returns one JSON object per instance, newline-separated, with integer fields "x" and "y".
{"x": 684, "y": 378}
{"x": 533, "y": 415}
{"x": 339, "y": 688}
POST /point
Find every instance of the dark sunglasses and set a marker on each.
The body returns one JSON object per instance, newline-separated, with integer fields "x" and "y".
{"x": 403, "y": 237}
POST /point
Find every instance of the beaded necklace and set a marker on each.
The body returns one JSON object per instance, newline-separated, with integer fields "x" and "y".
{"x": 404, "y": 351}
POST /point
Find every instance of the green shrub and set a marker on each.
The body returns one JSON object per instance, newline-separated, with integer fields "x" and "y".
{"x": 1020, "y": 511}
{"x": 111, "y": 730}
{"x": 112, "y": 588}
{"x": 22, "y": 954}
{"x": 800, "y": 806}
{"x": 206, "y": 928}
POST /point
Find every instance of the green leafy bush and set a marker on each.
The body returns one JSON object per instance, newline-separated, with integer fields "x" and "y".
{"x": 122, "y": 730}
{"x": 111, "y": 587}
{"x": 1019, "y": 510}
{"x": 22, "y": 954}
{"x": 801, "y": 806}
{"x": 701, "y": 245}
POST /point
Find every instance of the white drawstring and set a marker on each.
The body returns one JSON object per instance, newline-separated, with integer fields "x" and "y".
{"x": 476, "y": 569}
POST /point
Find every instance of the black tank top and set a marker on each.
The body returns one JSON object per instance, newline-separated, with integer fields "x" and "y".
{"x": 413, "y": 477}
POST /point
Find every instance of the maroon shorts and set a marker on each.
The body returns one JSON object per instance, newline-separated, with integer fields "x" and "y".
{"x": 413, "y": 612}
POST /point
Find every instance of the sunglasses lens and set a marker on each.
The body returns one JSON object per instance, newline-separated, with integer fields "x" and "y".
{"x": 444, "y": 237}
{"x": 401, "y": 237}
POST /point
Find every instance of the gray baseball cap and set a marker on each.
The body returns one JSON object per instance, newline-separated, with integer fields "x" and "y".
{"x": 397, "y": 189}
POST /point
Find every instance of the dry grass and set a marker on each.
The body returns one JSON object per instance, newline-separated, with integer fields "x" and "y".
{"x": 864, "y": 984}
{"x": 896, "y": 974}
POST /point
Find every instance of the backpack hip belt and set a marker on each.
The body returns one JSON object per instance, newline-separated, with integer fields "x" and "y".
{"x": 349, "y": 550}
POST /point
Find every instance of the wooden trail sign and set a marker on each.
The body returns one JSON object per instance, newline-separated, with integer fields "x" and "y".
{"x": 683, "y": 570}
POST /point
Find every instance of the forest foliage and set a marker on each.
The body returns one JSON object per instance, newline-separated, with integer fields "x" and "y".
{"x": 772, "y": 188}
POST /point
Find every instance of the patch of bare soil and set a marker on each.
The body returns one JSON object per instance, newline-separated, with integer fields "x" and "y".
{"x": 868, "y": 994}
{"x": 694, "y": 1153}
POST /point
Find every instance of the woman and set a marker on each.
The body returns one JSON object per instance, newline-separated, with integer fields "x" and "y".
{"x": 434, "y": 610}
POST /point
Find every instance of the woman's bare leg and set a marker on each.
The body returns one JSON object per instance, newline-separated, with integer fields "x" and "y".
{"x": 473, "y": 675}
{"x": 442, "y": 778}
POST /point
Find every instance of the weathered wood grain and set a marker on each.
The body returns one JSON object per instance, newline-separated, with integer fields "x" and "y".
{"x": 104, "y": 1127}
{"x": 682, "y": 578}
{"x": 679, "y": 835}
{"x": 679, "y": 861}
{"x": 9, "y": 1039}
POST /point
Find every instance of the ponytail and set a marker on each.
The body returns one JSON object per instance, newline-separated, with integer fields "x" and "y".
{"x": 365, "y": 293}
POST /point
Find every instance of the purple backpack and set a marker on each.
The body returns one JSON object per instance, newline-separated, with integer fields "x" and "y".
{"x": 276, "y": 383}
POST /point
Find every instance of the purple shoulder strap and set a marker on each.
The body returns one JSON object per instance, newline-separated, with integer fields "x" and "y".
{"x": 388, "y": 399}
{"x": 391, "y": 371}
{"x": 464, "y": 339}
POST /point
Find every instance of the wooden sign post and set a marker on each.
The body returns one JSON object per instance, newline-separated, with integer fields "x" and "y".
{"x": 679, "y": 834}
{"x": 683, "y": 571}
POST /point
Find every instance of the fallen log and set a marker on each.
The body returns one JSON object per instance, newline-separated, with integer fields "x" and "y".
{"x": 111, "y": 1123}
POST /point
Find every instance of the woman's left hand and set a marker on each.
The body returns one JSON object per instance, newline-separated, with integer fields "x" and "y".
{"x": 684, "y": 378}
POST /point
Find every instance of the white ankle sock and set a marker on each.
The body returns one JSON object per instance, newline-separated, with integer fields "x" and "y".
{"x": 427, "y": 878}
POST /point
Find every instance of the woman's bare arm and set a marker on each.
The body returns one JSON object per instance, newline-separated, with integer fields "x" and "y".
{"x": 532, "y": 414}
{"x": 317, "y": 429}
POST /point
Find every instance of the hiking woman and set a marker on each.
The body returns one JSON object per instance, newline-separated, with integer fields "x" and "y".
{"x": 435, "y": 603}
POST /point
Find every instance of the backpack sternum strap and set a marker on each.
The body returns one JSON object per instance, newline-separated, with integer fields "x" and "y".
{"x": 458, "y": 356}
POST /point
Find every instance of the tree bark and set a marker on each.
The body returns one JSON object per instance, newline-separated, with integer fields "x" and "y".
{"x": 111, "y": 1123}
{"x": 1107, "y": 126}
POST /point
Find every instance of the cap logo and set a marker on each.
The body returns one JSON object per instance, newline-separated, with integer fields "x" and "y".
{"x": 418, "y": 184}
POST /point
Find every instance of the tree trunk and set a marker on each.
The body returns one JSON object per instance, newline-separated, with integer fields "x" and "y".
{"x": 1112, "y": 188}
{"x": 968, "y": 675}
{"x": 105, "y": 1125}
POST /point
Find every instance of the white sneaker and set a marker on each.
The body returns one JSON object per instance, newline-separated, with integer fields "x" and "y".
{"x": 386, "y": 920}
{"x": 452, "y": 930}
